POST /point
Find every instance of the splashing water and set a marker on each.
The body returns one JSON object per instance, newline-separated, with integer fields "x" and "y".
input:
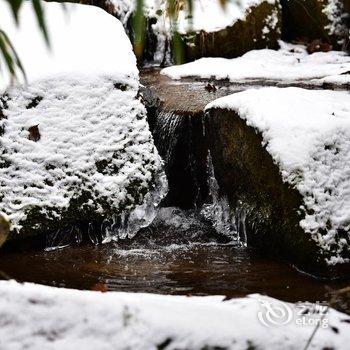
{"x": 129, "y": 223}
{"x": 121, "y": 226}
{"x": 226, "y": 221}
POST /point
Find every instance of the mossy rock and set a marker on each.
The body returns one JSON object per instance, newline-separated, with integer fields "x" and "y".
{"x": 252, "y": 182}
{"x": 260, "y": 29}
{"x": 308, "y": 20}
{"x": 93, "y": 158}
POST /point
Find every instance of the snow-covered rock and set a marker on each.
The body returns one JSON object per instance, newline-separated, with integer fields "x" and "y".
{"x": 232, "y": 30}
{"x": 289, "y": 64}
{"x": 288, "y": 154}
{"x": 39, "y": 317}
{"x": 75, "y": 144}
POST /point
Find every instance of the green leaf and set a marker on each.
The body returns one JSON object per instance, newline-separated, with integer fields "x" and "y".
{"x": 41, "y": 19}
{"x": 139, "y": 29}
{"x": 178, "y": 48}
{"x": 12, "y": 61}
{"x": 15, "y": 6}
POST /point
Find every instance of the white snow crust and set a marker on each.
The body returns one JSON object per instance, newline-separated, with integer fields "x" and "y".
{"x": 39, "y": 317}
{"x": 211, "y": 16}
{"x": 307, "y": 133}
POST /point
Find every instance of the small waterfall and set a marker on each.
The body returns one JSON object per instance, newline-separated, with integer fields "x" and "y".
{"x": 168, "y": 126}
{"x": 226, "y": 221}
{"x": 181, "y": 145}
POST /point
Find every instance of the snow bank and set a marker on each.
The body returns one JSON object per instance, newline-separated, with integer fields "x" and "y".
{"x": 75, "y": 142}
{"x": 39, "y": 317}
{"x": 291, "y": 63}
{"x": 85, "y": 40}
{"x": 307, "y": 134}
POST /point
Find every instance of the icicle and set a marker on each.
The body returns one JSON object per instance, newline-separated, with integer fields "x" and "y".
{"x": 129, "y": 223}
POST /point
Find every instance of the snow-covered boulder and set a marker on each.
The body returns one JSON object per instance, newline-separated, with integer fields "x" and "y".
{"x": 213, "y": 29}
{"x": 232, "y": 30}
{"x": 316, "y": 19}
{"x": 39, "y": 317}
{"x": 283, "y": 159}
{"x": 75, "y": 144}
{"x": 291, "y": 64}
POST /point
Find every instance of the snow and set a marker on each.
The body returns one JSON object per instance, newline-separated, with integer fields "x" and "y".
{"x": 334, "y": 11}
{"x": 122, "y": 9}
{"x": 40, "y": 317}
{"x": 307, "y": 134}
{"x": 77, "y": 46}
{"x": 291, "y": 63}
{"x": 94, "y": 136}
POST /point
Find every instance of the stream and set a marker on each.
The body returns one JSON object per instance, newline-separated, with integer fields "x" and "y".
{"x": 181, "y": 255}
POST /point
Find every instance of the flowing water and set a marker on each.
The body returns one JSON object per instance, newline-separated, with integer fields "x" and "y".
{"x": 202, "y": 269}
{"x": 178, "y": 254}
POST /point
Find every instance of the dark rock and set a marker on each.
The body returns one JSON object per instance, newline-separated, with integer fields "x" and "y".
{"x": 250, "y": 179}
{"x": 34, "y": 134}
{"x": 308, "y": 20}
{"x": 243, "y": 36}
{"x": 318, "y": 46}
